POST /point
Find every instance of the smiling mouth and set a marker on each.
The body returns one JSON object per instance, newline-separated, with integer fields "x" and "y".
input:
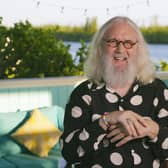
{"x": 120, "y": 58}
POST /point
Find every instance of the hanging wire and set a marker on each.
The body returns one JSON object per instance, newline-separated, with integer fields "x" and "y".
{"x": 85, "y": 10}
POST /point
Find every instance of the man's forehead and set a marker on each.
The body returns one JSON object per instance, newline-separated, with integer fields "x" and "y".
{"x": 122, "y": 29}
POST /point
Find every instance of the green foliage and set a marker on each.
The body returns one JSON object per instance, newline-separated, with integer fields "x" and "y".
{"x": 163, "y": 66}
{"x": 4, "y": 40}
{"x": 155, "y": 34}
{"x": 74, "y": 36}
{"x": 0, "y": 20}
{"x": 74, "y": 33}
{"x": 33, "y": 52}
{"x": 91, "y": 25}
{"x": 81, "y": 56}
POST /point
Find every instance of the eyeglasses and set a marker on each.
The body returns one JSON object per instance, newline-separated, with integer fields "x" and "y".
{"x": 128, "y": 44}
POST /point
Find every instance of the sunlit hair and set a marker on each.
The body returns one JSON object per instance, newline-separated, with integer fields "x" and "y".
{"x": 93, "y": 66}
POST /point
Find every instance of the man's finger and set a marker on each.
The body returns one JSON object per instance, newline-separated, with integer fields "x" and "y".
{"x": 117, "y": 137}
{"x": 113, "y": 133}
{"x": 124, "y": 141}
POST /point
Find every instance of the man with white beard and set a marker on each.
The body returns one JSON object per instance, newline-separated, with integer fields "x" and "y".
{"x": 118, "y": 118}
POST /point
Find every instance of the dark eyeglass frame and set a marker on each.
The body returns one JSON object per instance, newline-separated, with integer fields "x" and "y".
{"x": 128, "y": 44}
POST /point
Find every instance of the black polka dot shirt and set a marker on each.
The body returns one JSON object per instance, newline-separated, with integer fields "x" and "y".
{"x": 84, "y": 142}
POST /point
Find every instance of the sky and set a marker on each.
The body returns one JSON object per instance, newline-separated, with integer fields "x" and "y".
{"x": 75, "y": 12}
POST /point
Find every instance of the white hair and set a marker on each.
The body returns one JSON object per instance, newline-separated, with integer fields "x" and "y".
{"x": 93, "y": 66}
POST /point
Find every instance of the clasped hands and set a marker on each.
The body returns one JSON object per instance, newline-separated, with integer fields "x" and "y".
{"x": 127, "y": 125}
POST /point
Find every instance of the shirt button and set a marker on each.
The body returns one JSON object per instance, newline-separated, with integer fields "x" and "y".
{"x": 122, "y": 100}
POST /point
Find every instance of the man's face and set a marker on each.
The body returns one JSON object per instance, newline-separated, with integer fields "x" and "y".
{"x": 120, "y": 55}
{"x": 120, "y": 45}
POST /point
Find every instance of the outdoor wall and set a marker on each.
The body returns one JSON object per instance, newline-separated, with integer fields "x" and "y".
{"x": 26, "y": 94}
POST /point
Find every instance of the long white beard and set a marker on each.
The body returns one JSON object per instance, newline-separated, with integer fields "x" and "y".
{"x": 117, "y": 78}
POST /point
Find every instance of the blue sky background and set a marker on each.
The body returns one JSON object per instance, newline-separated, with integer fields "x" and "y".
{"x": 74, "y": 12}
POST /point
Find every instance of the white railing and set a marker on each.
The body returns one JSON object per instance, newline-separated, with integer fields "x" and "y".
{"x": 53, "y": 81}
{"x": 40, "y": 82}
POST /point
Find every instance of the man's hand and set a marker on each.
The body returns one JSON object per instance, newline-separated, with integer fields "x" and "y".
{"x": 130, "y": 120}
{"x": 135, "y": 129}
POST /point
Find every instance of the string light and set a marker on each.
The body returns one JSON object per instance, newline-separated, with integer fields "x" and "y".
{"x": 107, "y": 11}
{"x": 127, "y": 8}
{"x": 62, "y": 9}
{"x": 85, "y": 10}
{"x": 148, "y": 3}
{"x": 38, "y": 3}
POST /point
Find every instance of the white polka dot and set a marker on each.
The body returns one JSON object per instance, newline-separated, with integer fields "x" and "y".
{"x": 136, "y": 157}
{"x": 163, "y": 113}
{"x": 96, "y": 166}
{"x": 84, "y": 135}
{"x": 156, "y": 163}
{"x": 90, "y": 85}
{"x": 136, "y": 100}
{"x": 144, "y": 144}
{"x": 100, "y": 86}
{"x": 87, "y": 99}
{"x": 96, "y": 145}
{"x": 99, "y": 139}
{"x": 121, "y": 108}
{"x": 70, "y": 136}
{"x": 112, "y": 98}
{"x": 76, "y": 112}
{"x": 95, "y": 117}
{"x": 165, "y": 94}
{"x": 80, "y": 151}
{"x": 135, "y": 88}
{"x": 116, "y": 158}
{"x": 165, "y": 144}
{"x": 155, "y": 101}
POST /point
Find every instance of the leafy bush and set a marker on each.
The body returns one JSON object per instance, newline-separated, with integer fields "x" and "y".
{"x": 155, "y": 34}
{"x": 81, "y": 56}
{"x": 75, "y": 33}
{"x": 33, "y": 52}
{"x": 163, "y": 66}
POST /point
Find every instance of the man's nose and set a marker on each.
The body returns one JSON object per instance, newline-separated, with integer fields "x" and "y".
{"x": 120, "y": 48}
